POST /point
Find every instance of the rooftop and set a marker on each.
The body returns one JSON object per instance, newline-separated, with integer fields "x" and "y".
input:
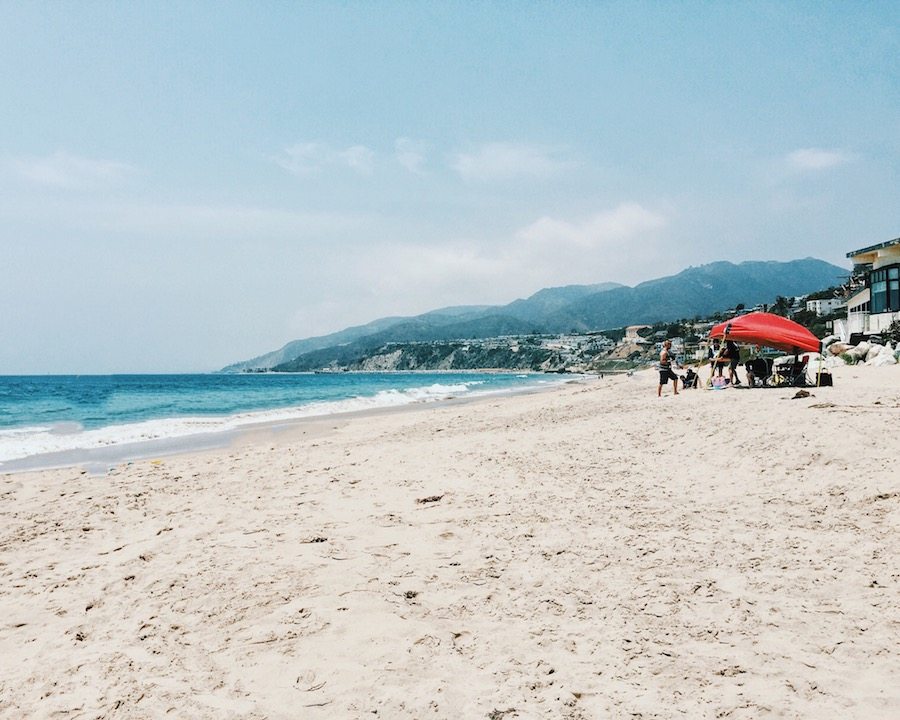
{"x": 895, "y": 241}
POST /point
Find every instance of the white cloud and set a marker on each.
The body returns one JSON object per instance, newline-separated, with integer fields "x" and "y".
{"x": 816, "y": 159}
{"x": 507, "y": 161}
{"x": 602, "y": 230}
{"x": 304, "y": 159}
{"x": 63, "y": 170}
{"x": 411, "y": 154}
{"x": 358, "y": 158}
{"x": 623, "y": 244}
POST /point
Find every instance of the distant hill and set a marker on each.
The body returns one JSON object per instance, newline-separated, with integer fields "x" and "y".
{"x": 457, "y": 321}
{"x": 550, "y": 300}
{"x": 299, "y": 347}
{"x": 696, "y": 291}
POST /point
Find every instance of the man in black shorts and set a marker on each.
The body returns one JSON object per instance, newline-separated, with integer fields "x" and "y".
{"x": 733, "y": 353}
{"x": 665, "y": 369}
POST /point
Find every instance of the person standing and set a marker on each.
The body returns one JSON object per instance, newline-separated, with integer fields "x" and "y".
{"x": 665, "y": 369}
{"x": 733, "y": 353}
{"x": 716, "y": 357}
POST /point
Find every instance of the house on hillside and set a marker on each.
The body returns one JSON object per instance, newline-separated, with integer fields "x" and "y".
{"x": 876, "y": 304}
{"x": 677, "y": 345}
{"x": 824, "y": 307}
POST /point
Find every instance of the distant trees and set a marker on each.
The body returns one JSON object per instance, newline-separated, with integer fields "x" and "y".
{"x": 814, "y": 323}
{"x": 781, "y": 306}
{"x": 826, "y": 294}
{"x": 893, "y": 332}
{"x": 672, "y": 330}
{"x": 615, "y": 334}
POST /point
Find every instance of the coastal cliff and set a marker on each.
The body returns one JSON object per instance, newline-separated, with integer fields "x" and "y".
{"x": 448, "y": 338}
{"x": 444, "y": 356}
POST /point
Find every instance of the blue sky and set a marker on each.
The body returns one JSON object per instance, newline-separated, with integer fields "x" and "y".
{"x": 183, "y": 185}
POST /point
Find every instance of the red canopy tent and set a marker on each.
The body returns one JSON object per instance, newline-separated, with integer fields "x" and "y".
{"x": 759, "y": 328}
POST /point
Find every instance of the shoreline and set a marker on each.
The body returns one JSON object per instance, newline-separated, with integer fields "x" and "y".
{"x": 98, "y": 459}
{"x": 589, "y": 552}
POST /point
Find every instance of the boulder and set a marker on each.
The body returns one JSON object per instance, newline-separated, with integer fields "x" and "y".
{"x": 882, "y": 359}
{"x": 874, "y": 352}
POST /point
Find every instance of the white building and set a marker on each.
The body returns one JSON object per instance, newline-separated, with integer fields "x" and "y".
{"x": 876, "y": 305}
{"x": 824, "y": 307}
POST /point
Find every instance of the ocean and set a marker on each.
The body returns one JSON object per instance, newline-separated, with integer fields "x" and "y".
{"x": 47, "y": 420}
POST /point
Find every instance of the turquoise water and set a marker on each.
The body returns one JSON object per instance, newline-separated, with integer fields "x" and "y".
{"x": 49, "y": 414}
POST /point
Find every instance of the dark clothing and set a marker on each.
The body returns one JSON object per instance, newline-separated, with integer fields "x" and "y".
{"x": 718, "y": 355}
{"x": 730, "y": 355}
{"x": 665, "y": 368}
{"x": 666, "y": 374}
{"x": 758, "y": 369}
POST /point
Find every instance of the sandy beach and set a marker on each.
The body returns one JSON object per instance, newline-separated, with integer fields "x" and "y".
{"x": 588, "y": 552}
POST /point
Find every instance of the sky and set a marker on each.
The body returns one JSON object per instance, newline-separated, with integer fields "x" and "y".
{"x": 186, "y": 185}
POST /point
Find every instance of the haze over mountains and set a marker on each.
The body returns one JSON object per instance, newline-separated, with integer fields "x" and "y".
{"x": 695, "y": 291}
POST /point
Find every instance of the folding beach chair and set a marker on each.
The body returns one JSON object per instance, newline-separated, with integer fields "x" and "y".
{"x": 759, "y": 370}
{"x": 791, "y": 373}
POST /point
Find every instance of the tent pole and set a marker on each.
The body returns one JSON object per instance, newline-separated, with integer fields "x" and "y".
{"x": 819, "y": 373}
{"x": 715, "y": 361}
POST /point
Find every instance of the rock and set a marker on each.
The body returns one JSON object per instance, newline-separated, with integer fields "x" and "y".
{"x": 838, "y": 348}
{"x": 885, "y": 357}
{"x": 874, "y": 352}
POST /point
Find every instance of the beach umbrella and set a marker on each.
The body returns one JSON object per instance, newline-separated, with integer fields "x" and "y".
{"x": 759, "y": 328}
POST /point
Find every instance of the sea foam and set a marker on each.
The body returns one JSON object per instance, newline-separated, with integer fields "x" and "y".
{"x": 25, "y": 442}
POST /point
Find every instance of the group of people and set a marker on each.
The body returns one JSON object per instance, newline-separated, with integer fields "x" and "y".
{"x": 720, "y": 357}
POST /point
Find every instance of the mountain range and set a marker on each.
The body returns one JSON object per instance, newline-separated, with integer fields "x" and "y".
{"x": 696, "y": 291}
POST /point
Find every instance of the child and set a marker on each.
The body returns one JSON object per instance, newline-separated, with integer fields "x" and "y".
{"x": 690, "y": 379}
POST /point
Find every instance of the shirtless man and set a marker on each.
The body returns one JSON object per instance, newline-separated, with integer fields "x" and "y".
{"x": 665, "y": 369}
